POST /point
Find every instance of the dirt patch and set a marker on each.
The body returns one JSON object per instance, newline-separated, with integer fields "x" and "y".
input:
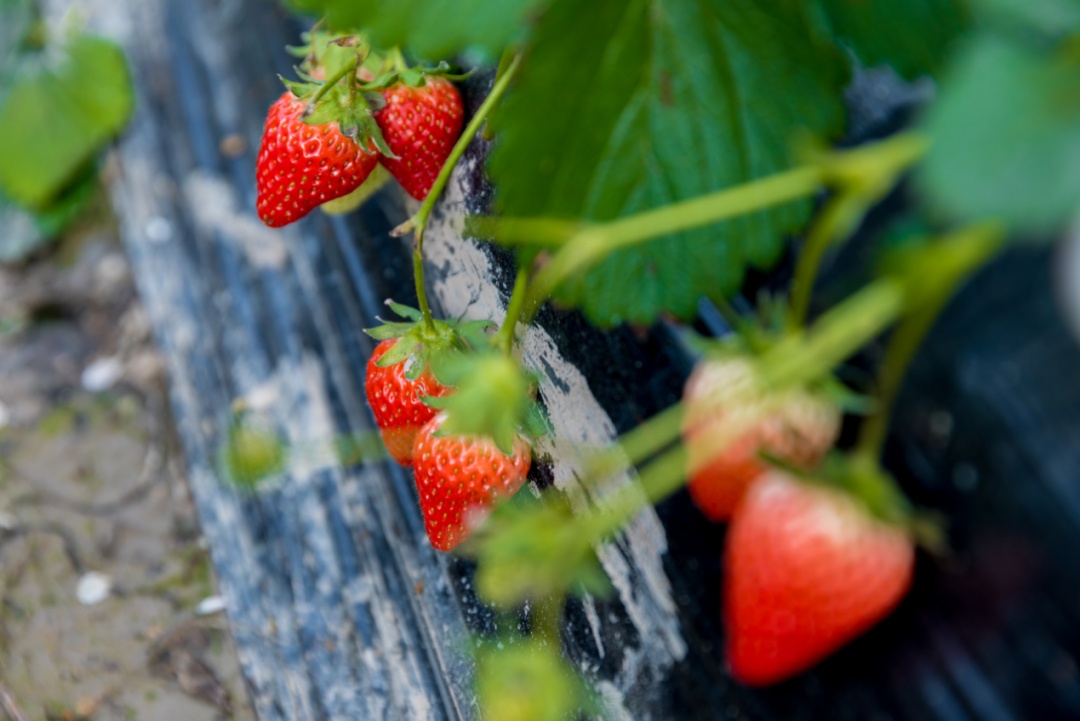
{"x": 104, "y": 576}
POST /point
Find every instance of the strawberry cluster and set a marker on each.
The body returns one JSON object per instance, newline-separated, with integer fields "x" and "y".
{"x": 460, "y": 476}
{"x": 807, "y": 565}
{"x": 323, "y": 140}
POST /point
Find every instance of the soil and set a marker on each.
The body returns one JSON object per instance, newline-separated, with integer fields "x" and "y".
{"x": 106, "y": 588}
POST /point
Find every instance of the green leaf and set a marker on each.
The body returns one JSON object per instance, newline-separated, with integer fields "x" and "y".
{"x": 25, "y": 231}
{"x": 625, "y": 105}
{"x": 913, "y": 36}
{"x": 430, "y": 28}
{"x": 1006, "y": 138}
{"x": 57, "y": 118}
{"x": 1051, "y": 18}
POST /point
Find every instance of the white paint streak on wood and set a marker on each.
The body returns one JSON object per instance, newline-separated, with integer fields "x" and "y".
{"x": 462, "y": 287}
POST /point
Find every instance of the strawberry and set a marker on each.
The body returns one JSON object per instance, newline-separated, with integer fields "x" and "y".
{"x": 807, "y": 569}
{"x": 407, "y": 372}
{"x": 301, "y": 166}
{"x": 397, "y": 402}
{"x": 460, "y": 478}
{"x": 420, "y": 125}
{"x": 797, "y": 428}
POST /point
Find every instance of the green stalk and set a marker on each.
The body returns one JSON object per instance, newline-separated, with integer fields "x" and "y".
{"x": 418, "y": 280}
{"x": 837, "y": 220}
{"x": 418, "y": 222}
{"x": 863, "y": 176}
{"x": 504, "y": 340}
{"x": 335, "y": 79}
{"x": 595, "y": 242}
{"x": 637, "y": 445}
{"x": 962, "y": 254}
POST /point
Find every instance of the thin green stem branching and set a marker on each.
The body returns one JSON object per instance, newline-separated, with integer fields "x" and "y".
{"x": 418, "y": 222}
{"x": 335, "y": 79}
{"x": 959, "y": 255}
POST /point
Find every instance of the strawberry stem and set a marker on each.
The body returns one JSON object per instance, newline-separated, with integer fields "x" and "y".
{"x": 837, "y": 219}
{"x": 963, "y": 252}
{"x": 870, "y": 173}
{"x": 335, "y": 79}
{"x": 418, "y": 279}
{"x": 504, "y": 341}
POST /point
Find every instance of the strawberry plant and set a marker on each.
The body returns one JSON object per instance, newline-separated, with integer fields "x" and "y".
{"x": 647, "y": 156}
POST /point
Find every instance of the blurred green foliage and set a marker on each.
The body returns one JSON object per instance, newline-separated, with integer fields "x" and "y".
{"x": 61, "y": 101}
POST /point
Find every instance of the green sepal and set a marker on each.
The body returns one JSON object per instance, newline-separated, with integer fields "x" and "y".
{"x": 413, "y": 77}
{"x": 300, "y": 89}
{"x": 535, "y": 423}
{"x": 441, "y": 347}
{"x": 844, "y": 398}
{"x": 865, "y": 480}
{"x": 404, "y": 311}
{"x": 477, "y": 333}
{"x": 375, "y": 101}
{"x": 400, "y": 351}
{"x": 387, "y": 331}
{"x": 348, "y": 107}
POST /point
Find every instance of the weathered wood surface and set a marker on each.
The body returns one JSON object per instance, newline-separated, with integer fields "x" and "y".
{"x": 339, "y": 607}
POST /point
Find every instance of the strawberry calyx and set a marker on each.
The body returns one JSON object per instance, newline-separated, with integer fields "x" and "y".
{"x": 345, "y": 103}
{"x": 323, "y": 53}
{"x": 414, "y": 77}
{"x": 427, "y": 343}
{"x": 862, "y": 478}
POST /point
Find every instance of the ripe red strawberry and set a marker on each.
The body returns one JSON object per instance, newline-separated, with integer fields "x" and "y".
{"x": 807, "y": 569}
{"x": 301, "y": 166}
{"x": 397, "y": 401}
{"x": 420, "y": 125}
{"x": 798, "y": 430}
{"x": 460, "y": 478}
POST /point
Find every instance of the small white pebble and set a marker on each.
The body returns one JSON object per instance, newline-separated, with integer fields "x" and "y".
{"x": 93, "y": 588}
{"x": 5, "y": 416}
{"x": 7, "y": 521}
{"x": 158, "y": 230}
{"x": 209, "y": 605}
{"x": 101, "y": 374}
